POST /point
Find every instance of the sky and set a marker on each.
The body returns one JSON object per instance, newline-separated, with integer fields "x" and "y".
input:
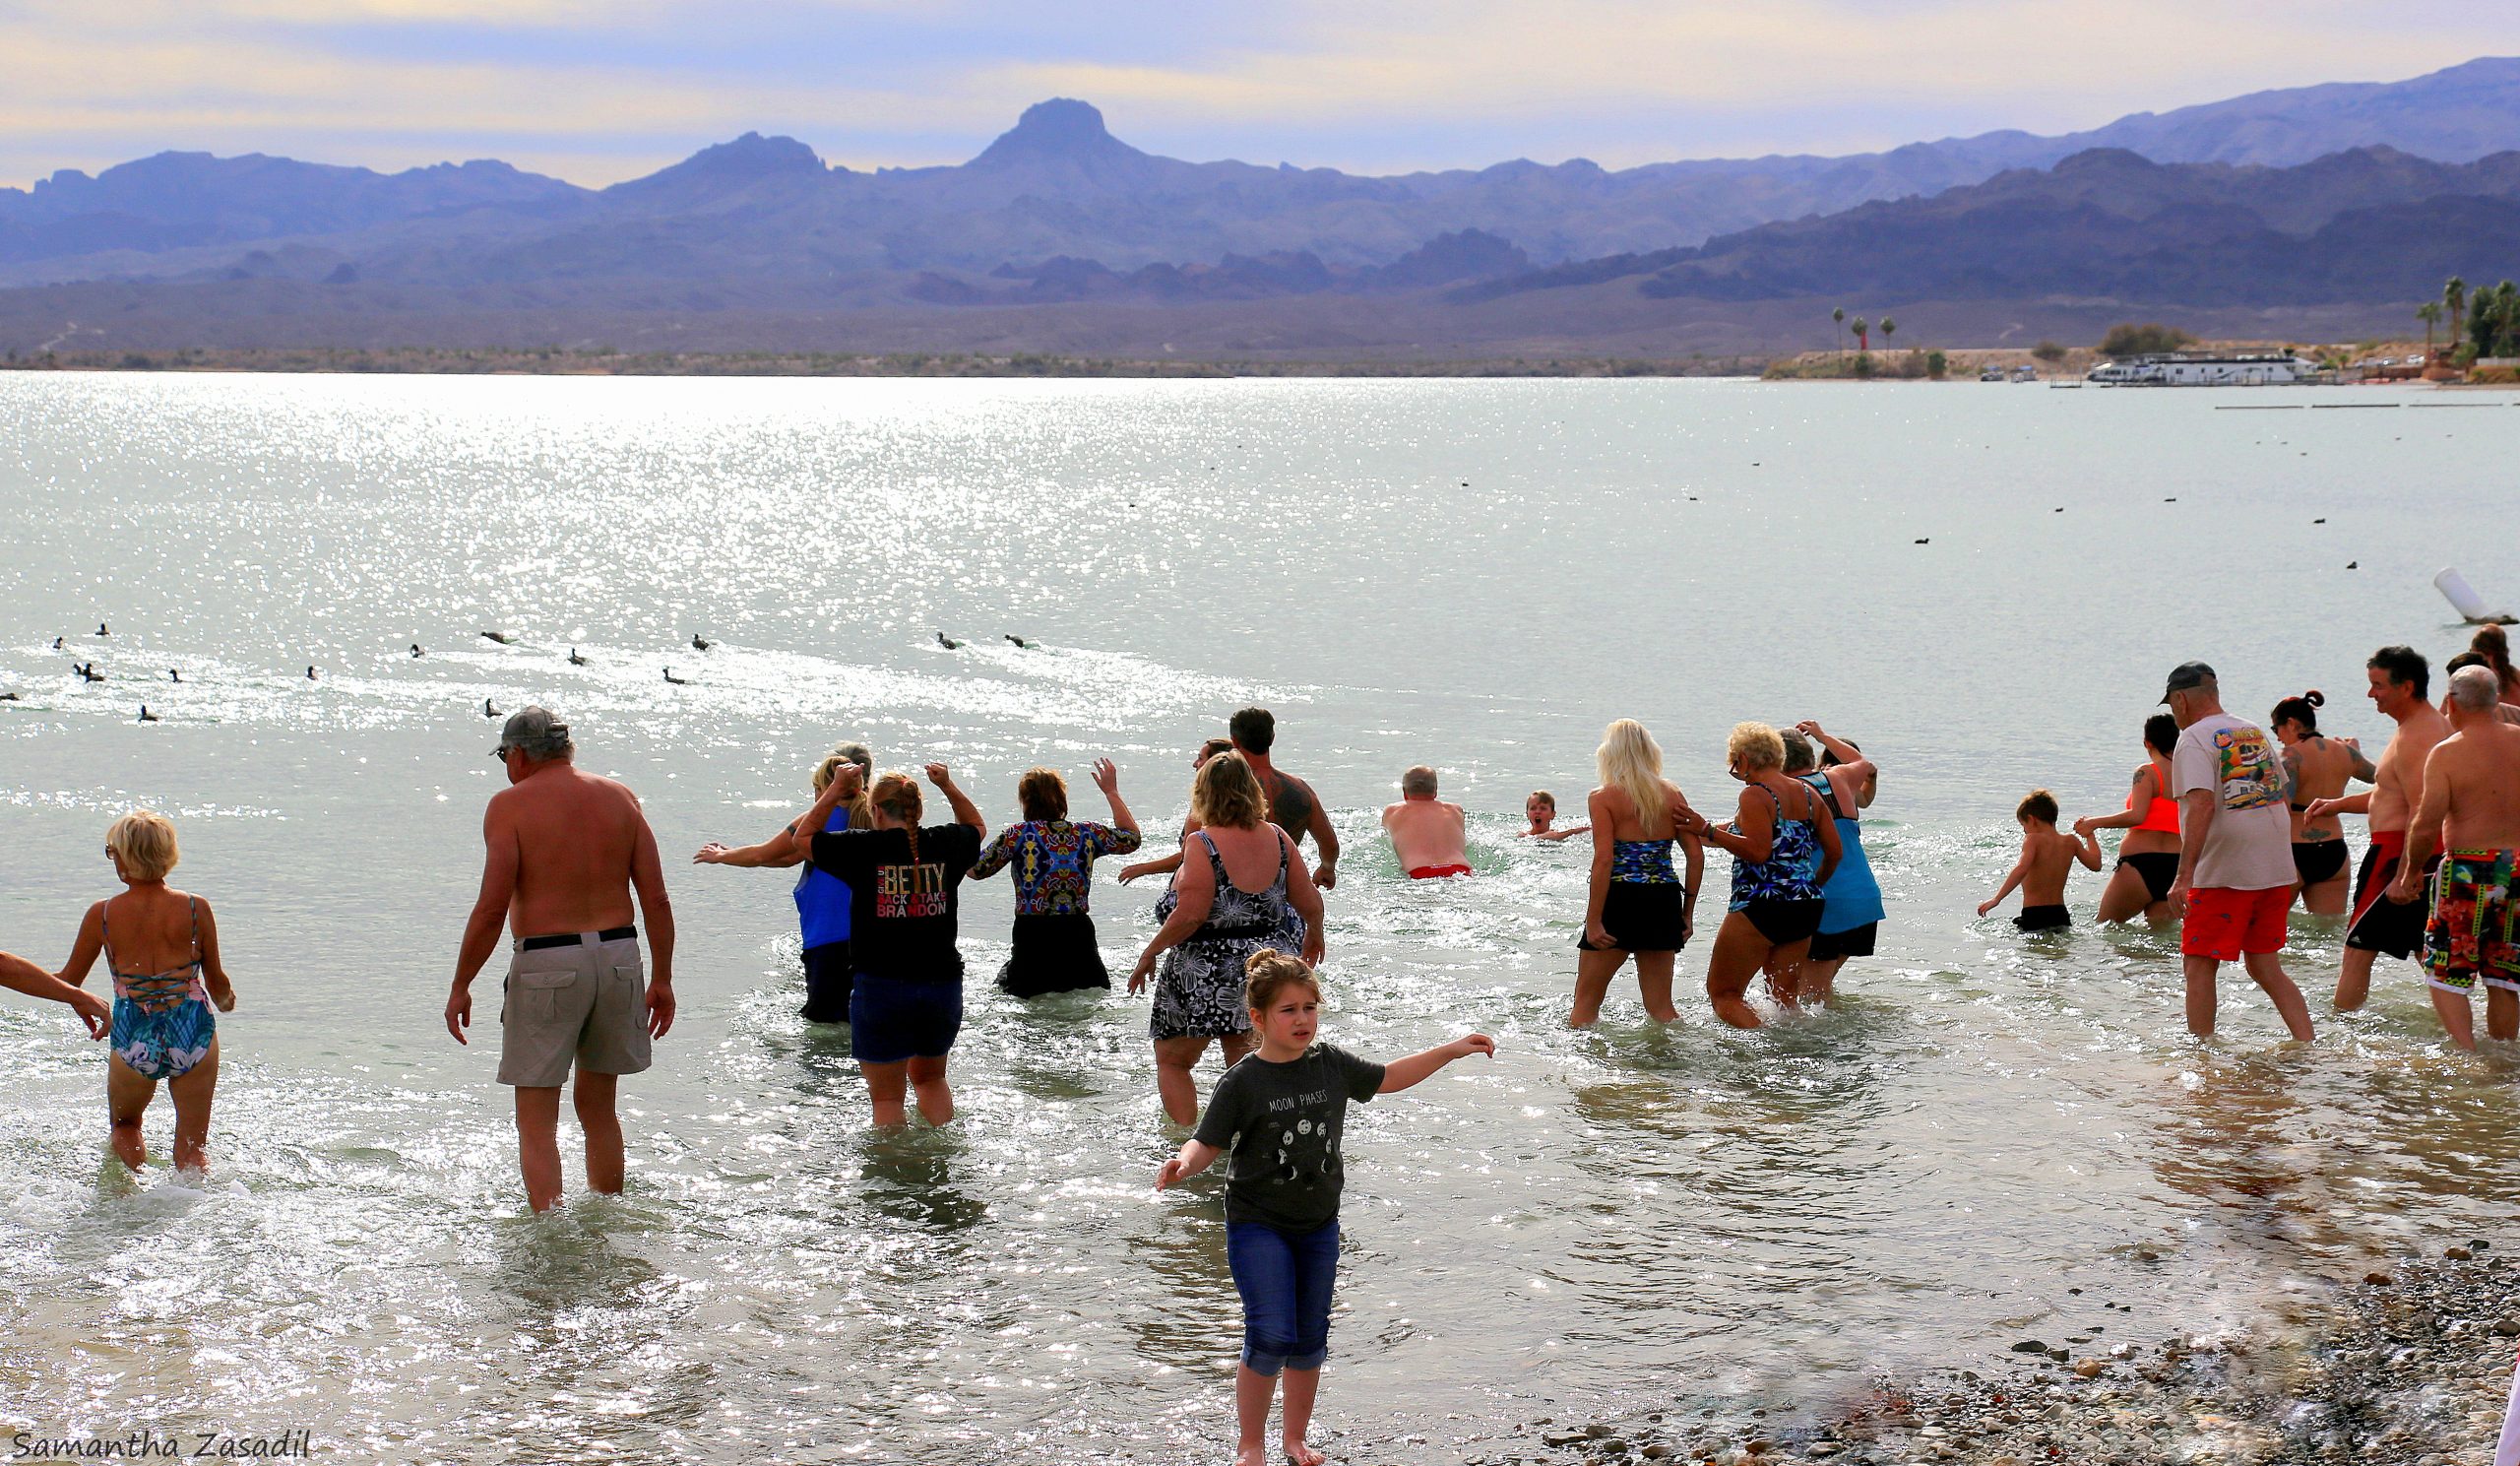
{"x": 597, "y": 91}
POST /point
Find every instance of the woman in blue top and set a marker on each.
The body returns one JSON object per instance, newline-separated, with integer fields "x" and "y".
{"x": 1851, "y": 911}
{"x": 822, "y": 899}
{"x": 1784, "y": 849}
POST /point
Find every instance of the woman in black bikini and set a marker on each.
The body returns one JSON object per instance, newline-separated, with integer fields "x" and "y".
{"x": 2148, "y": 857}
{"x": 2316, "y": 768}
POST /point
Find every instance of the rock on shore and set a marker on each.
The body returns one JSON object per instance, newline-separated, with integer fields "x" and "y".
{"x": 2409, "y": 1367}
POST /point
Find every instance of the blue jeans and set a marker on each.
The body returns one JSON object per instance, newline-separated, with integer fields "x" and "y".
{"x": 1285, "y": 1280}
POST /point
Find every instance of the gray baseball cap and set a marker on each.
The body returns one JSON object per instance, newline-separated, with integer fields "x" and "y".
{"x": 2186, "y": 676}
{"x": 534, "y": 733}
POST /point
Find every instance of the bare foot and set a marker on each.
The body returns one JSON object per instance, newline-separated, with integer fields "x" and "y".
{"x": 1251, "y": 1455}
{"x": 1301, "y": 1454}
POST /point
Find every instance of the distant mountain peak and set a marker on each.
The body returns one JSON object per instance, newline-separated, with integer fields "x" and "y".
{"x": 727, "y": 167}
{"x": 1060, "y": 128}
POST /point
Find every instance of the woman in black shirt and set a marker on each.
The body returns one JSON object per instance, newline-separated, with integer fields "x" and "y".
{"x": 904, "y": 882}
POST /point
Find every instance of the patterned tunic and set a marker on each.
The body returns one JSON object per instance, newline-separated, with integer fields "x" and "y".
{"x": 1052, "y": 861}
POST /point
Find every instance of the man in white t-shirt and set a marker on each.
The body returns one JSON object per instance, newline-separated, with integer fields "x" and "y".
{"x": 2236, "y": 863}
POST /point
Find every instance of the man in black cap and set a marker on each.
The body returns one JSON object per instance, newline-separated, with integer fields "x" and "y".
{"x": 566, "y": 851}
{"x": 2235, "y": 860}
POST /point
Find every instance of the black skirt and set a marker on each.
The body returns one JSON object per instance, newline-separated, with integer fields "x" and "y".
{"x": 1642, "y": 916}
{"x": 1053, "y": 954}
{"x": 828, "y": 981}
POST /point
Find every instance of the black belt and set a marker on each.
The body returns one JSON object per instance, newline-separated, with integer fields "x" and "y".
{"x": 544, "y": 944}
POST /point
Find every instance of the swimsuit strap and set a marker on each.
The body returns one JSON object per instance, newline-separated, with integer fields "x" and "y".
{"x": 192, "y": 904}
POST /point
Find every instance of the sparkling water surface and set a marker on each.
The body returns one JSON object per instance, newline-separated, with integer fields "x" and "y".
{"x": 1474, "y": 575}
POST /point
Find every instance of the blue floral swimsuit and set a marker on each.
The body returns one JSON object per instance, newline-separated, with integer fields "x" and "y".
{"x": 161, "y": 1023}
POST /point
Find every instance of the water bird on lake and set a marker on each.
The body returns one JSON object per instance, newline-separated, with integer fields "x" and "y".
{"x": 2318, "y": 521}
{"x": 56, "y": 643}
{"x": 87, "y": 670}
{"x": 489, "y": 709}
{"x": 101, "y": 629}
{"x": 1021, "y": 642}
{"x": 310, "y": 674}
{"x": 700, "y": 645}
{"x": 416, "y": 648}
{"x": 8, "y": 697}
{"x": 2353, "y": 564}
{"x": 677, "y": 681}
{"x": 1924, "y": 541}
{"x": 948, "y": 643}
{"x": 146, "y": 716}
{"x": 501, "y": 637}
{"x": 573, "y": 659}
{"x": 172, "y": 675}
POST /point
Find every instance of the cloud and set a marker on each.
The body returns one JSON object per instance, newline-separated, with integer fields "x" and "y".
{"x": 608, "y": 88}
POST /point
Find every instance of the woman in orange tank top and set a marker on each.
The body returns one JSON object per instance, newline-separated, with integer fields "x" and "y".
{"x": 2148, "y": 854}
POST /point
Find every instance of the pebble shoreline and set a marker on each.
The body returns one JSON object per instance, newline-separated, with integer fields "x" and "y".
{"x": 2408, "y": 1367}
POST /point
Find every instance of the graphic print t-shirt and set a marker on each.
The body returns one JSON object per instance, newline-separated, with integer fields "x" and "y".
{"x": 901, "y": 912}
{"x": 2249, "y": 847}
{"x": 1280, "y": 1125}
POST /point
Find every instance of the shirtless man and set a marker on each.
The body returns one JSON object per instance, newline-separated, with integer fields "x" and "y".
{"x": 1293, "y": 805}
{"x": 1429, "y": 836}
{"x": 2471, "y": 801}
{"x": 2400, "y": 681}
{"x": 566, "y": 850}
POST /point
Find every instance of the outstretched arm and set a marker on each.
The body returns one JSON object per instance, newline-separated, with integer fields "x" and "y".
{"x": 1416, "y": 1068}
{"x": 1107, "y": 778}
{"x": 489, "y": 914}
{"x": 2424, "y": 835}
{"x": 1326, "y": 874}
{"x": 648, "y": 879}
{"x": 2013, "y": 880}
{"x": 214, "y": 971}
{"x": 1193, "y": 1159}
{"x": 779, "y": 851}
{"x": 19, "y": 974}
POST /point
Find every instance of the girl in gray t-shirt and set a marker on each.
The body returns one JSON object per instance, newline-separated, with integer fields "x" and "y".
{"x": 1279, "y": 1112}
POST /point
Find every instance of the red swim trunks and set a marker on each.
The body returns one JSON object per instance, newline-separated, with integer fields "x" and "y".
{"x": 2223, "y": 923}
{"x": 1437, "y": 873}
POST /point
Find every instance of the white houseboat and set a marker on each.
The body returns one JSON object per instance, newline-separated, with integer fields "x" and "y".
{"x": 2207, "y": 369}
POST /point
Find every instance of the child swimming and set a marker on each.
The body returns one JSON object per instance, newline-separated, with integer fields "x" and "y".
{"x": 1540, "y": 809}
{"x": 1280, "y": 1111}
{"x": 162, "y": 947}
{"x": 2047, "y": 857}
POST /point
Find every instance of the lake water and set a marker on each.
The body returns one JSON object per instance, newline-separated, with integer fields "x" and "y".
{"x": 1476, "y": 575}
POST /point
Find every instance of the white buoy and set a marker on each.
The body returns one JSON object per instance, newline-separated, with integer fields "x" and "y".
{"x": 2463, "y": 599}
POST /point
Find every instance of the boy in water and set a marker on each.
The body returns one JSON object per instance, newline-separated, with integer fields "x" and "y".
{"x": 2047, "y": 857}
{"x": 1540, "y": 809}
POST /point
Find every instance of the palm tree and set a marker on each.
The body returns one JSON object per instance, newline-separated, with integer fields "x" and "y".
{"x": 2454, "y": 301}
{"x": 1839, "y": 315}
{"x": 1862, "y": 335}
{"x": 1888, "y": 328}
{"x": 2429, "y": 313}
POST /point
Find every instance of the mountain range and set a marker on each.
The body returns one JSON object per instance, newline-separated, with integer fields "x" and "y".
{"x": 2339, "y": 195}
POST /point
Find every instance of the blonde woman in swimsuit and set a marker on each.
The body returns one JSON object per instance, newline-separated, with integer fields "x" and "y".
{"x": 162, "y": 946}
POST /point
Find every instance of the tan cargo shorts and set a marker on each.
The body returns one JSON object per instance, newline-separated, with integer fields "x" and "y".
{"x": 583, "y": 1004}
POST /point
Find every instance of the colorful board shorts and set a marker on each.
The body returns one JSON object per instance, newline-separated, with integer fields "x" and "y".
{"x": 2227, "y": 923}
{"x": 2471, "y": 933}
